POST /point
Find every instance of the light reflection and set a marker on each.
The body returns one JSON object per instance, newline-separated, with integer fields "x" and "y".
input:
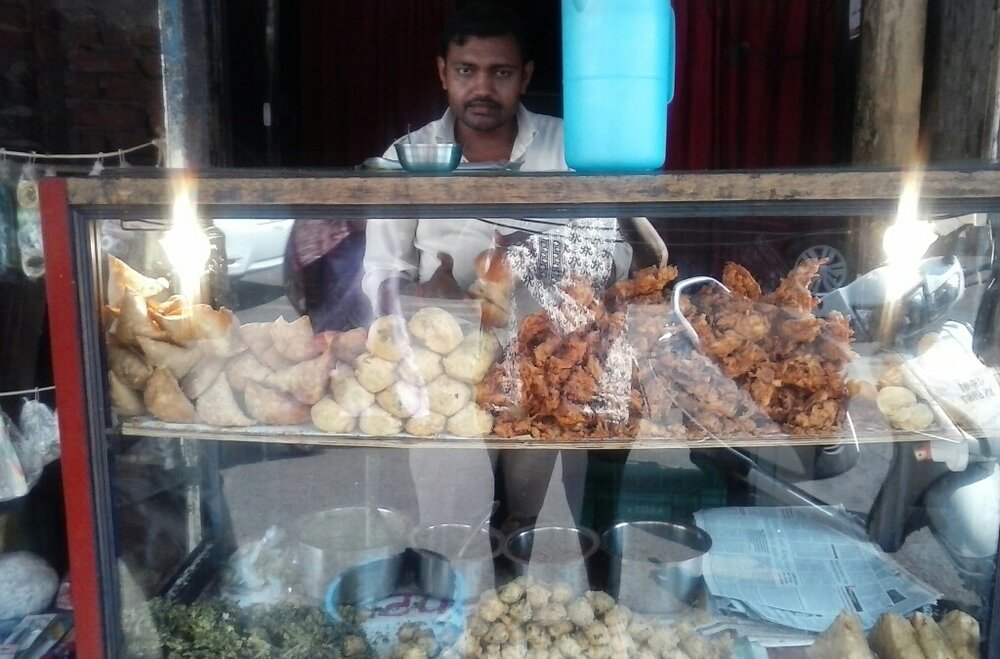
{"x": 185, "y": 243}
{"x": 906, "y": 241}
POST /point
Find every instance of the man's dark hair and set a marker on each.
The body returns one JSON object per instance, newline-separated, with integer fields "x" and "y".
{"x": 483, "y": 19}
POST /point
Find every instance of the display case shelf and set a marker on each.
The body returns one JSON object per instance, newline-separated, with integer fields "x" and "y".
{"x": 308, "y": 435}
{"x": 816, "y": 192}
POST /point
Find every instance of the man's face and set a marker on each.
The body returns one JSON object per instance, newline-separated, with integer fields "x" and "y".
{"x": 484, "y": 79}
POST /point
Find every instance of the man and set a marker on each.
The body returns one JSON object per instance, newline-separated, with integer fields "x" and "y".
{"x": 484, "y": 69}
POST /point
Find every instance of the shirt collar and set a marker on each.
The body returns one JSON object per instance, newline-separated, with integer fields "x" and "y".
{"x": 526, "y": 130}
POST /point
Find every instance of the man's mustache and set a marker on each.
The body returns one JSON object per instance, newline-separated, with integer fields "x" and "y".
{"x": 483, "y": 102}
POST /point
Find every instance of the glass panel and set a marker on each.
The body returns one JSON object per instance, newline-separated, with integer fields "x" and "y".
{"x": 515, "y": 435}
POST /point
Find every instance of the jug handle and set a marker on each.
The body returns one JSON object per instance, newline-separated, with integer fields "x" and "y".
{"x": 581, "y": 4}
{"x": 671, "y": 50}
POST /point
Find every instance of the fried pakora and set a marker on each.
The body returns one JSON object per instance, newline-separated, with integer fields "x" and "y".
{"x": 772, "y": 346}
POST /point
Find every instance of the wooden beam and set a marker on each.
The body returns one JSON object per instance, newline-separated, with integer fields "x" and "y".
{"x": 457, "y": 193}
{"x": 184, "y": 46}
{"x": 959, "y": 118}
{"x": 890, "y": 79}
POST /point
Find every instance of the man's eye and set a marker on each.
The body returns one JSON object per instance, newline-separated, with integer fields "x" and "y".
{"x": 504, "y": 73}
{"x": 464, "y": 70}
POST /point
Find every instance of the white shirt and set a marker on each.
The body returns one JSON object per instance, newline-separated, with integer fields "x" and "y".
{"x": 409, "y": 248}
{"x": 539, "y": 140}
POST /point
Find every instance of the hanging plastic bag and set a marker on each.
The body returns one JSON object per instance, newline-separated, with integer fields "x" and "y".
{"x": 9, "y": 257}
{"x": 39, "y": 431}
{"x": 13, "y": 483}
{"x": 29, "y": 224}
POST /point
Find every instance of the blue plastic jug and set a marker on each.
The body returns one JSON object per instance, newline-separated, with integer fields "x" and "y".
{"x": 618, "y": 77}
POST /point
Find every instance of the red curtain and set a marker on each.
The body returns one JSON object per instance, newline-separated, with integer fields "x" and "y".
{"x": 754, "y": 84}
{"x": 754, "y": 79}
{"x": 368, "y": 71}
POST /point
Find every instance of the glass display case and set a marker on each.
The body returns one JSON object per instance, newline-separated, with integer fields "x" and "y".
{"x": 496, "y": 414}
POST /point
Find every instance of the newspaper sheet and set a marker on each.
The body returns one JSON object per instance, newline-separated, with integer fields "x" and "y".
{"x": 787, "y": 565}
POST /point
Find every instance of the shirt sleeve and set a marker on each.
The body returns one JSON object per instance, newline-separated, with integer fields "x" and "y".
{"x": 623, "y": 260}
{"x": 389, "y": 252}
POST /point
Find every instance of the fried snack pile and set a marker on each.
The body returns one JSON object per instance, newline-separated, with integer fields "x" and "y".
{"x": 187, "y": 363}
{"x": 894, "y": 637}
{"x": 786, "y": 365}
{"x": 184, "y": 363}
{"x": 414, "y": 376}
{"x": 569, "y": 374}
{"x": 896, "y": 399}
{"x": 599, "y": 367}
{"x": 528, "y": 618}
{"x": 844, "y": 639}
{"x": 685, "y": 394}
{"x": 589, "y": 365}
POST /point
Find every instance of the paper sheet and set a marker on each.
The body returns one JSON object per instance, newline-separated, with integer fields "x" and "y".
{"x": 786, "y": 565}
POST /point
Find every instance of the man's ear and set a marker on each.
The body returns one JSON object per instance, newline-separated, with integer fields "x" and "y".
{"x": 529, "y": 70}
{"x": 441, "y": 72}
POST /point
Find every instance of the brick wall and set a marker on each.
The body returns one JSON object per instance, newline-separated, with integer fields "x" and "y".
{"x": 79, "y": 75}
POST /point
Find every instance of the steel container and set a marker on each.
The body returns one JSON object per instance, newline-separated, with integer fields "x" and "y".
{"x": 374, "y": 580}
{"x": 553, "y": 554}
{"x": 429, "y": 157}
{"x": 331, "y": 541}
{"x": 438, "y": 546}
{"x": 655, "y": 567}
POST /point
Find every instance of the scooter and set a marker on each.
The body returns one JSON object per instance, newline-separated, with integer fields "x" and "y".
{"x": 950, "y": 485}
{"x": 953, "y": 488}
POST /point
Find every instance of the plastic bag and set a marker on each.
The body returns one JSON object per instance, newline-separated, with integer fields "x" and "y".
{"x": 28, "y": 585}
{"x": 40, "y": 431}
{"x": 13, "y": 481}
{"x": 559, "y": 323}
{"x": 265, "y": 571}
{"x": 9, "y": 258}
{"x": 115, "y": 240}
{"x": 29, "y": 224}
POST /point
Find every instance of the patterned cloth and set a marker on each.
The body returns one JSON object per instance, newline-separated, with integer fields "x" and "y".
{"x": 313, "y": 238}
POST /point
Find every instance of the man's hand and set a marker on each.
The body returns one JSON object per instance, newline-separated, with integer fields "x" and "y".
{"x": 389, "y": 292}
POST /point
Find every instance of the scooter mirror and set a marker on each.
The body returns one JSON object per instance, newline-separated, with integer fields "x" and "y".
{"x": 878, "y": 314}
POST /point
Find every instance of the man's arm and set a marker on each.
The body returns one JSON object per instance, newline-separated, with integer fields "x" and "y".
{"x": 390, "y": 258}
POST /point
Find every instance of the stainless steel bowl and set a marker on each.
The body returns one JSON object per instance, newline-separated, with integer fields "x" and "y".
{"x": 553, "y": 554}
{"x": 334, "y": 540}
{"x": 429, "y": 157}
{"x": 367, "y": 582}
{"x": 382, "y": 577}
{"x": 438, "y": 546}
{"x": 655, "y": 567}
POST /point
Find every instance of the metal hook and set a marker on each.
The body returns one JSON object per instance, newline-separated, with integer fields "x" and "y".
{"x": 98, "y": 165}
{"x": 676, "y": 302}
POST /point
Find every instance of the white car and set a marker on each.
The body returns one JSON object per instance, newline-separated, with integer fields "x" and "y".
{"x": 255, "y": 249}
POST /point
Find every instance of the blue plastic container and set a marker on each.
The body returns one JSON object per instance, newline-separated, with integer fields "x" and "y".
{"x": 618, "y": 77}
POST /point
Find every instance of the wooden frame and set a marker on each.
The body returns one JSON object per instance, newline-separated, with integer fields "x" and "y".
{"x": 377, "y": 191}
{"x": 810, "y": 192}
